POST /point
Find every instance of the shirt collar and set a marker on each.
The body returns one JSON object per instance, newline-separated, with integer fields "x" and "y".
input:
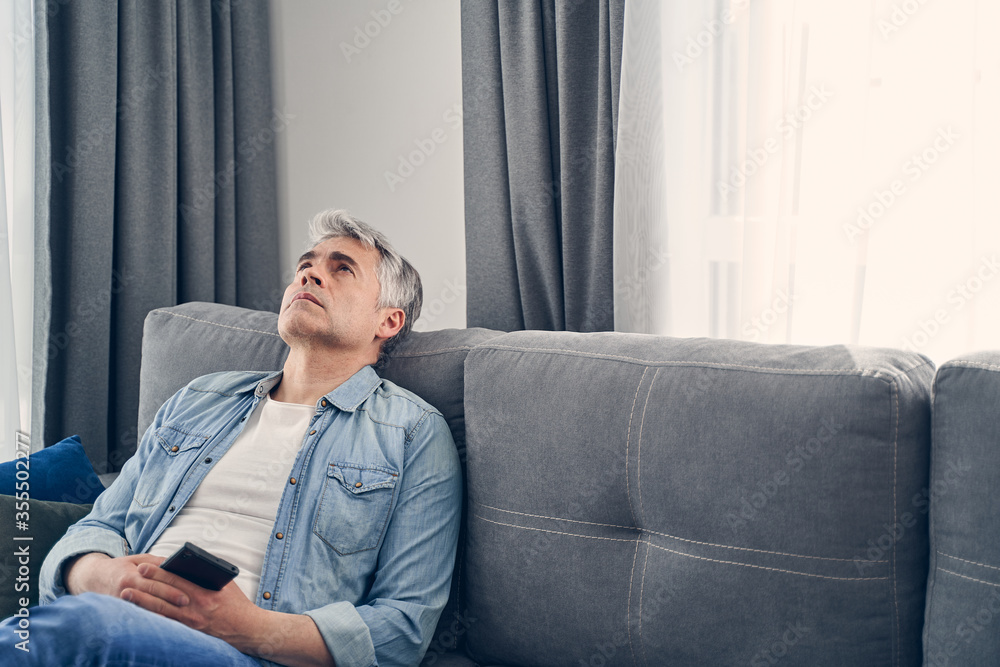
{"x": 347, "y": 397}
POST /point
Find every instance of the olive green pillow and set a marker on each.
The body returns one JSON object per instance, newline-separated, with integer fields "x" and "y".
{"x": 46, "y": 522}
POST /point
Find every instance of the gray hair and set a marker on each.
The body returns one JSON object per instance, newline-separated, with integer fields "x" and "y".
{"x": 399, "y": 282}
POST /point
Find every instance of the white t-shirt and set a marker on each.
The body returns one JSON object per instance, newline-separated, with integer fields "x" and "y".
{"x": 232, "y": 511}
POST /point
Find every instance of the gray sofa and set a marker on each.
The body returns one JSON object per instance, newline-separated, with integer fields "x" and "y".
{"x": 638, "y": 500}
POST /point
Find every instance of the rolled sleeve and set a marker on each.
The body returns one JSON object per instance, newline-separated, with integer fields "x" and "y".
{"x": 103, "y": 530}
{"x": 84, "y": 540}
{"x": 346, "y": 635}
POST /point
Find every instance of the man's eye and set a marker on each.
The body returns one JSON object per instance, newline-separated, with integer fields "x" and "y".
{"x": 303, "y": 265}
{"x": 346, "y": 268}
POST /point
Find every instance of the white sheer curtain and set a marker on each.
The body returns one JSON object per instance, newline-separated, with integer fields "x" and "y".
{"x": 811, "y": 172}
{"x": 16, "y": 221}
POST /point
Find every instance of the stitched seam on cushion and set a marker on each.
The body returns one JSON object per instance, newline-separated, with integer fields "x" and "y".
{"x": 970, "y": 562}
{"x": 865, "y": 372}
{"x": 429, "y": 353}
{"x": 216, "y": 324}
{"x": 895, "y": 481}
{"x": 628, "y": 436}
{"x": 978, "y": 581}
{"x": 772, "y": 569}
{"x": 642, "y": 586}
{"x": 554, "y": 532}
{"x": 628, "y": 608}
{"x": 555, "y": 518}
{"x": 972, "y": 364}
{"x": 674, "y": 537}
{"x": 638, "y": 453}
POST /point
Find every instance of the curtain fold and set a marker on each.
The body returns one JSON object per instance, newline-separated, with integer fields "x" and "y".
{"x": 540, "y": 96}
{"x": 161, "y": 190}
{"x": 10, "y": 421}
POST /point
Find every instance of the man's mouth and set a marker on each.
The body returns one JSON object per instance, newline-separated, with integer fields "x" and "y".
{"x": 307, "y": 296}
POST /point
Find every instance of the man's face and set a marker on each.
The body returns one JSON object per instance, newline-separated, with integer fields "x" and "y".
{"x": 332, "y": 301}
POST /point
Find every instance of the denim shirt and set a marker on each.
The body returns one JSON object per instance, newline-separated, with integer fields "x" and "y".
{"x": 367, "y": 526}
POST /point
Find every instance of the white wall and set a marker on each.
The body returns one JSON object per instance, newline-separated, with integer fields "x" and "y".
{"x": 363, "y": 84}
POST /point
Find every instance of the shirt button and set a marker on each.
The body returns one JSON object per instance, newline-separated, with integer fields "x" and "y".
{"x": 208, "y": 460}
{"x": 323, "y": 402}
{"x": 267, "y": 596}
{"x": 357, "y": 485}
{"x": 174, "y": 448}
{"x": 291, "y": 481}
{"x": 279, "y": 535}
{"x": 312, "y": 432}
{"x": 171, "y": 509}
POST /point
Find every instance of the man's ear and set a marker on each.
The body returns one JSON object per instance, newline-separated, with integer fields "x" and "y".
{"x": 392, "y": 321}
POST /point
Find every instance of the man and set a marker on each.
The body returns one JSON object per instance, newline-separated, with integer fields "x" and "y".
{"x": 338, "y": 495}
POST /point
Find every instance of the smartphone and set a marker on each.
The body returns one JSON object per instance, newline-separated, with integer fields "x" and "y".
{"x": 200, "y": 567}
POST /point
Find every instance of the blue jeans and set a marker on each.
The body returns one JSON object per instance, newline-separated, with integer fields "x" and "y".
{"x": 93, "y": 629}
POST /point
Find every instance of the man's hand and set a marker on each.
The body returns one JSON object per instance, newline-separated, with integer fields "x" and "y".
{"x": 227, "y": 614}
{"x": 291, "y": 639}
{"x": 100, "y": 573}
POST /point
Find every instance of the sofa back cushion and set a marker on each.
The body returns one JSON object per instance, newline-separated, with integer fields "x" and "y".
{"x": 193, "y": 339}
{"x": 963, "y": 591}
{"x": 637, "y": 499}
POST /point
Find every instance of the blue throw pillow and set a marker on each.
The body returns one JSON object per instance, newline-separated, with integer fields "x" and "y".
{"x": 60, "y": 473}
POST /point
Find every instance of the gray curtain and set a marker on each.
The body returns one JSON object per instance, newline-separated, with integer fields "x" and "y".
{"x": 540, "y": 85}
{"x": 155, "y": 186}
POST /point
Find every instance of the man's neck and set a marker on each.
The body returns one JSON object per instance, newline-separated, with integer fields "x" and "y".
{"x": 307, "y": 377}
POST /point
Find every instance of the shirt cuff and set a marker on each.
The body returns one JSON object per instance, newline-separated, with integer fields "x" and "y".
{"x": 84, "y": 540}
{"x": 346, "y": 635}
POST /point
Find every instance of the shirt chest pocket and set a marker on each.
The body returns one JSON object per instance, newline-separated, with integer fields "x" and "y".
{"x": 166, "y": 464}
{"x": 354, "y": 510}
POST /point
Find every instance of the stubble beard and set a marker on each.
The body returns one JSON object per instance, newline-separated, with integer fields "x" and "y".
{"x": 296, "y": 330}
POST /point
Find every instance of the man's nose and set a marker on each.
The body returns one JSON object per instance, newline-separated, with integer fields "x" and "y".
{"x": 309, "y": 275}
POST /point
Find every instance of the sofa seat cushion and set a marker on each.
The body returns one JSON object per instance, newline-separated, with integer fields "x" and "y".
{"x": 637, "y": 499}
{"x": 26, "y": 549}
